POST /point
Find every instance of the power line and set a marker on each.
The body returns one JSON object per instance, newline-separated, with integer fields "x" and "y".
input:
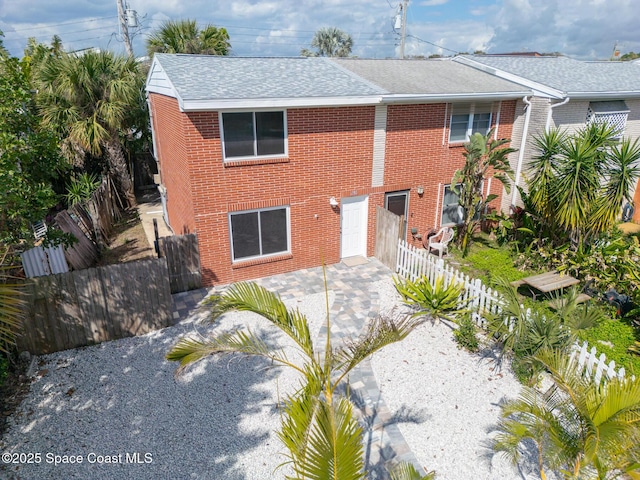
{"x": 48, "y": 25}
{"x": 434, "y": 44}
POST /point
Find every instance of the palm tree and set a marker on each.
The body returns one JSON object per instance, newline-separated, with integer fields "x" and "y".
{"x": 318, "y": 425}
{"x": 579, "y": 182}
{"x": 580, "y": 428}
{"x": 88, "y": 99}
{"x": 184, "y": 36}
{"x": 483, "y": 157}
{"x": 330, "y": 42}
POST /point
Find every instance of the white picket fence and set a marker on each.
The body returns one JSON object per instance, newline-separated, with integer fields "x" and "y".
{"x": 412, "y": 263}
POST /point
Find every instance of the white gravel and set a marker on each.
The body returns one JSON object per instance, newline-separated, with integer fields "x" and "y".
{"x": 218, "y": 420}
{"x": 456, "y": 394}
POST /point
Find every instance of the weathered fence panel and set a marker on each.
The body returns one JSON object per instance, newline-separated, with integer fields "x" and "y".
{"x": 94, "y": 305}
{"x": 388, "y": 231}
{"x": 39, "y": 261}
{"x": 83, "y": 253}
{"x": 183, "y": 261}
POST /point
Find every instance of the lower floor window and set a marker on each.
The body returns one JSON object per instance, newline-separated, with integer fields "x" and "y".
{"x": 452, "y": 212}
{"x": 258, "y": 233}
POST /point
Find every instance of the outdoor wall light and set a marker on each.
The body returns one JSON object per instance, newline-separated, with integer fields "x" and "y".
{"x": 420, "y": 190}
{"x": 333, "y": 202}
{"x": 414, "y": 230}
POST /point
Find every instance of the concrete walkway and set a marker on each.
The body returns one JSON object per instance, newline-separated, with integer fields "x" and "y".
{"x": 356, "y": 300}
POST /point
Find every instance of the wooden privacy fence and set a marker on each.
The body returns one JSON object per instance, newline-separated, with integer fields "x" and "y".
{"x": 388, "y": 231}
{"x": 94, "y": 305}
{"x": 183, "y": 261}
{"x": 412, "y": 263}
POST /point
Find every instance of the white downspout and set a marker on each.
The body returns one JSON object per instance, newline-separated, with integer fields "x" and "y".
{"x": 523, "y": 144}
{"x": 550, "y": 113}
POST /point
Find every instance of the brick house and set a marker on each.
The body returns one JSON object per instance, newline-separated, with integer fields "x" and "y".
{"x": 567, "y": 94}
{"x": 278, "y": 164}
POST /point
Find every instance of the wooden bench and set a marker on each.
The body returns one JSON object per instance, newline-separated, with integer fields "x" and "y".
{"x": 560, "y": 302}
{"x": 517, "y": 283}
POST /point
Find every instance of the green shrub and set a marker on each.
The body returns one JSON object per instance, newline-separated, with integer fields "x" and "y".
{"x": 613, "y": 338}
{"x": 465, "y": 335}
{"x": 439, "y": 300}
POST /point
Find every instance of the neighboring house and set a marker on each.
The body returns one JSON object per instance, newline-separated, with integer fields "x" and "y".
{"x": 567, "y": 94}
{"x": 278, "y": 164}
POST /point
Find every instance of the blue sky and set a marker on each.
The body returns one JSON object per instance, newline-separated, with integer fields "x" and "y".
{"x": 584, "y": 29}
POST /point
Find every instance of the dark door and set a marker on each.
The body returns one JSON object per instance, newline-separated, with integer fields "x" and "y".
{"x": 398, "y": 203}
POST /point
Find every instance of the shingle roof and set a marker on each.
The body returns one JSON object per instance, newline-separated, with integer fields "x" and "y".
{"x": 427, "y": 77}
{"x": 204, "y": 77}
{"x": 568, "y": 75}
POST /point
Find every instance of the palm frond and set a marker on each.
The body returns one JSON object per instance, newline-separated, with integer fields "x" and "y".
{"x": 408, "y": 471}
{"x": 380, "y": 332}
{"x": 335, "y": 449}
{"x": 189, "y": 350}
{"x": 251, "y": 297}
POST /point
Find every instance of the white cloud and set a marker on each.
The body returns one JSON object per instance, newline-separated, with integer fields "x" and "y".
{"x": 433, "y": 3}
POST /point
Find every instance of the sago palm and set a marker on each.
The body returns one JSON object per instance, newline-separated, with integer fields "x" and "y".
{"x": 580, "y": 428}
{"x": 88, "y": 100}
{"x": 318, "y": 425}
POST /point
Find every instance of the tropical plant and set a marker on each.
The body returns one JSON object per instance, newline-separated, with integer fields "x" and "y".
{"x": 80, "y": 188}
{"x": 184, "y": 36}
{"x": 329, "y": 42}
{"x": 578, "y": 183}
{"x": 581, "y": 429}
{"x": 439, "y": 300}
{"x": 88, "y": 99}
{"x": 11, "y": 305}
{"x": 525, "y": 331}
{"x": 465, "y": 334}
{"x": 318, "y": 425}
{"x": 484, "y": 157}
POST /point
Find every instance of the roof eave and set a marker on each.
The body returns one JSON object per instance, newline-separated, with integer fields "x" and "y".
{"x": 455, "y": 97}
{"x": 199, "y": 105}
{"x": 611, "y": 95}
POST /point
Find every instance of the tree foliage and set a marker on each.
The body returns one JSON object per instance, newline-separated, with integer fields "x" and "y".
{"x": 484, "y": 158}
{"x": 578, "y": 183}
{"x": 30, "y": 160}
{"x": 184, "y": 36}
{"x": 580, "y": 428}
{"x": 329, "y": 42}
{"x": 91, "y": 102}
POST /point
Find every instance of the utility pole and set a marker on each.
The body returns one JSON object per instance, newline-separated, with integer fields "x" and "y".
{"x": 403, "y": 28}
{"x": 124, "y": 28}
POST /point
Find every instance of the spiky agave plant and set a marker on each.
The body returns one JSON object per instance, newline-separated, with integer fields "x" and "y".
{"x": 319, "y": 428}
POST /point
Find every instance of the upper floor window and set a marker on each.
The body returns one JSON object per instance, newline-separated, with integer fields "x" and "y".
{"x": 467, "y": 120}
{"x": 612, "y": 113}
{"x": 254, "y": 134}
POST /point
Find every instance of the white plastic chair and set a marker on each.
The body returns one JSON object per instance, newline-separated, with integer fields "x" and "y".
{"x": 440, "y": 241}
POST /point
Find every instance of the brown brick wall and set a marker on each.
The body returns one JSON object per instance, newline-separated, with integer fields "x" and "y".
{"x": 168, "y": 125}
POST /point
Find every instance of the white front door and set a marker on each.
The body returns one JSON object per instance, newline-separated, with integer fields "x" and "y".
{"x": 353, "y": 226}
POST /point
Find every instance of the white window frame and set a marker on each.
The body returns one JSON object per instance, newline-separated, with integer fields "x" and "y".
{"x": 255, "y": 136}
{"x": 461, "y": 215}
{"x": 258, "y": 210}
{"x": 471, "y": 116}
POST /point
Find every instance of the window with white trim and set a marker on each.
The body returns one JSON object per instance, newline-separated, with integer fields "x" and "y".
{"x": 613, "y": 113}
{"x": 452, "y": 212}
{"x": 254, "y": 134}
{"x": 469, "y": 119}
{"x": 259, "y": 233}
